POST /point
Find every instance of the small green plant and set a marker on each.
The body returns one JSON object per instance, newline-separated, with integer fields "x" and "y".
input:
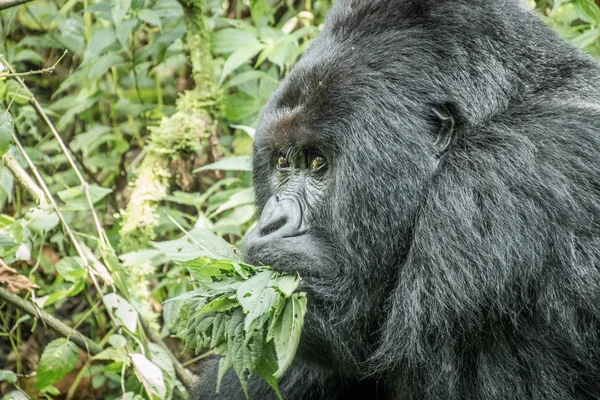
{"x": 252, "y": 316}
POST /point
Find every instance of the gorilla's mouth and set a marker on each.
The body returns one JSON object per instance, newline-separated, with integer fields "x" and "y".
{"x": 294, "y": 254}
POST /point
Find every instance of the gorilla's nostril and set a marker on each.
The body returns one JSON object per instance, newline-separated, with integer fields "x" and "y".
{"x": 272, "y": 227}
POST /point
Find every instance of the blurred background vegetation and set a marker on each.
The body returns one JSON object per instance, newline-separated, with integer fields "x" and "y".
{"x": 126, "y": 130}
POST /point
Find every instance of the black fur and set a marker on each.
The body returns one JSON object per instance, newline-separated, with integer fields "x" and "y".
{"x": 468, "y": 272}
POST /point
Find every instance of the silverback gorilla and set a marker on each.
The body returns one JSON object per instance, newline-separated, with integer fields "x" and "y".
{"x": 431, "y": 168}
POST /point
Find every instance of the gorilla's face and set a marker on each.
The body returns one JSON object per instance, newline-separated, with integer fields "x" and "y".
{"x": 342, "y": 158}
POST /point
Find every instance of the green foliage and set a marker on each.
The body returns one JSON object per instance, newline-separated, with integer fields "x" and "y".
{"x": 577, "y": 21}
{"x": 245, "y": 314}
{"x": 58, "y": 359}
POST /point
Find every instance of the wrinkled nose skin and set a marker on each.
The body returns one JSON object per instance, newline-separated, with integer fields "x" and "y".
{"x": 281, "y": 218}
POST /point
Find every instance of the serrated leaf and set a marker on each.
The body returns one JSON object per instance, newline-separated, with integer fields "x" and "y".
{"x": 287, "y": 332}
{"x": 149, "y": 16}
{"x": 287, "y": 284}
{"x": 220, "y": 304}
{"x": 123, "y": 311}
{"x": 216, "y": 245}
{"x": 71, "y": 268}
{"x": 266, "y": 368}
{"x": 235, "y": 347}
{"x": 149, "y": 375}
{"x": 58, "y": 359}
{"x": 257, "y": 296}
{"x": 224, "y": 365}
{"x": 234, "y": 163}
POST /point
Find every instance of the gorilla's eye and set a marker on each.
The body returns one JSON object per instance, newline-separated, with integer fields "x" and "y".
{"x": 317, "y": 163}
{"x": 283, "y": 163}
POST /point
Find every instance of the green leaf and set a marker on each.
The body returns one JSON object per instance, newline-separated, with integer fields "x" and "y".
{"x": 75, "y": 198}
{"x": 585, "y": 39}
{"x": 7, "y": 181}
{"x": 149, "y": 375}
{"x": 241, "y": 56}
{"x": 15, "y": 395}
{"x": 228, "y": 40}
{"x": 234, "y": 163}
{"x": 112, "y": 354}
{"x": 103, "y": 64}
{"x": 42, "y": 219}
{"x": 8, "y": 376}
{"x": 248, "y": 129}
{"x": 287, "y": 331}
{"x": 149, "y": 16}
{"x": 287, "y": 284}
{"x": 224, "y": 365}
{"x": 257, "y": 296}
{"x": 138, "y": 257}
{"x": 587, "y": 11}
{"x": 119, "y": 10}
{"x": 123, "y": 30}
{"x": 18, "y": 93}
{"x": 28, "y": 55}
{"x": 217, "y": 246}
{"x": 117, "y": 341}
{"x": 71, "y": 268}
{"x": 266, "y": 369}
{"x": 123, "y": 311}
{"x": 236, "y": 350}
{"x": 100, "y": 40}
{"x": 241, "y": 106}
{"x": 258, "y": 9}
{"x": 58, "y": 359}
{"x": 220, "y": 304}
{"x": 6, "y": 130}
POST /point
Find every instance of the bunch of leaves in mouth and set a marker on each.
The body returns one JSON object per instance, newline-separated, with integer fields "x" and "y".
{"x": 251, "y": 316}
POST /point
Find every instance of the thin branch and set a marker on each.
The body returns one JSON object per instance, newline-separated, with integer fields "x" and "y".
{"x": 4, "y": 4}
{"x": 84, "y": 185}
{"x": 38, "y": 71}
{"x": 24, "y": 178}
{"x": 51, "y": 322}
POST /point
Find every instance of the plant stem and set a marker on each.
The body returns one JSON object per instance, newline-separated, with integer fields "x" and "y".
{"x": 51, "y": 322}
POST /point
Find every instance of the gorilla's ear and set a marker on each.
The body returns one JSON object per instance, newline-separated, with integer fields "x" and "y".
{"x": 446, "y": 134}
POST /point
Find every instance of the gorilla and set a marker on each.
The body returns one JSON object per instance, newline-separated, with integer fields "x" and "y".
{"x": 431, "y": 169}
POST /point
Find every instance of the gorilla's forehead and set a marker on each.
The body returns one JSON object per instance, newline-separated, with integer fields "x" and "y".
{"x": 314, "y": 101}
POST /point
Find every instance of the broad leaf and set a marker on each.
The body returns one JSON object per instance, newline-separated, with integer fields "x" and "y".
{"x": 58, "y": 359}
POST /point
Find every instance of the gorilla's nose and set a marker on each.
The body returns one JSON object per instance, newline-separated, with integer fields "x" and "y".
{"x": 280, "y": 218}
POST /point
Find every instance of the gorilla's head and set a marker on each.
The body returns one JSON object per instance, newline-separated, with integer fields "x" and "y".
{"x": 380, "y": 182}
